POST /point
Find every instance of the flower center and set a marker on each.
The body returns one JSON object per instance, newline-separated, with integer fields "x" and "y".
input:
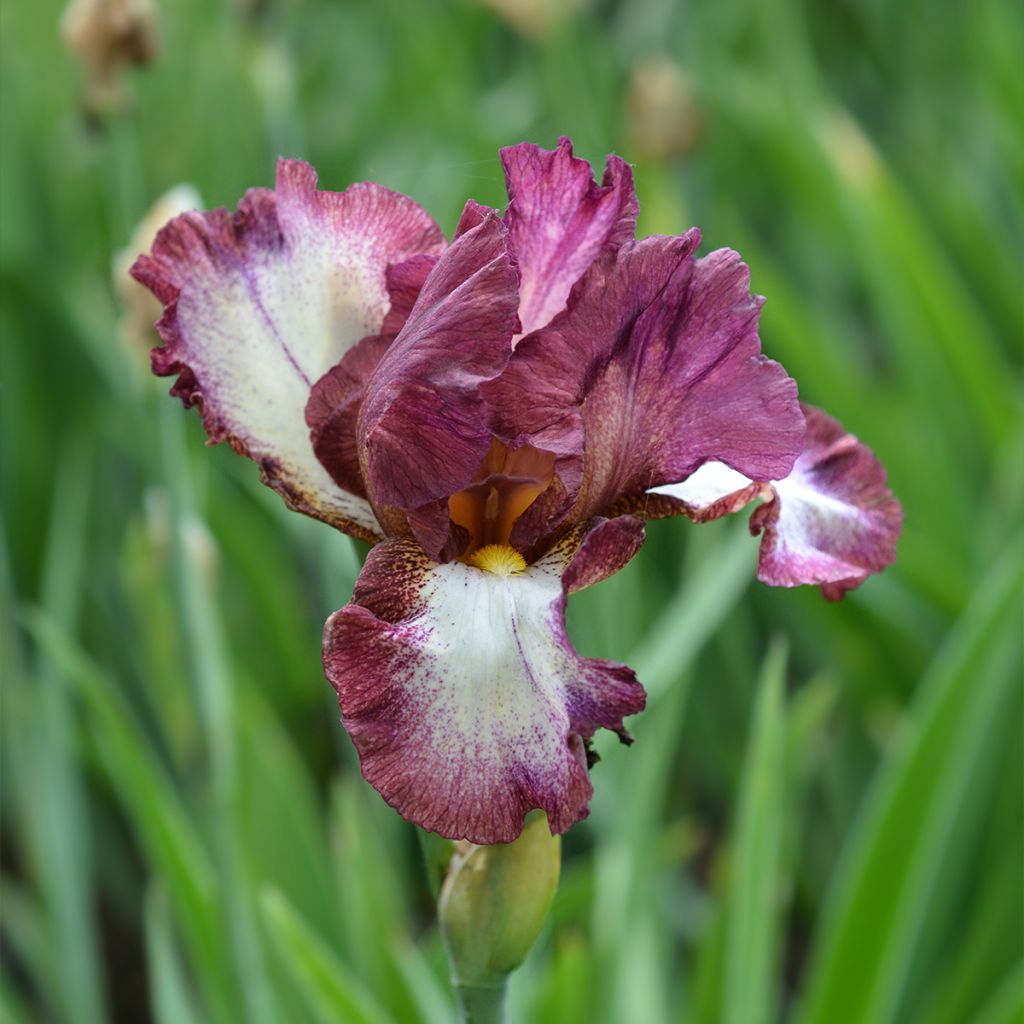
{"x": 505, "y": 486}
{"x": 500, "y": 559}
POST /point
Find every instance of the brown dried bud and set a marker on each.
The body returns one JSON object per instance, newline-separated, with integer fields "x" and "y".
{"x": 662, "y": 118}
{"x": 107, "y": 36}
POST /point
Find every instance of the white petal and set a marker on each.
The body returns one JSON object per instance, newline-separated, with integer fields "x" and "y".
{"x": 262, "y": 303}
{"x": 710, "y": 483}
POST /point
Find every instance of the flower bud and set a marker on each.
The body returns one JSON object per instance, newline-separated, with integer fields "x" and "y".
{"x": 140, "y": 309}
{"x": 494, "y": 902}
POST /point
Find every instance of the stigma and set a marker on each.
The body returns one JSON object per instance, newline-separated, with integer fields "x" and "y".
{"x": 499, "y": 559}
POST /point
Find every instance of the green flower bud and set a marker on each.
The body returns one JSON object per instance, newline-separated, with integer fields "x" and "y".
{"x": 494, "y": 901}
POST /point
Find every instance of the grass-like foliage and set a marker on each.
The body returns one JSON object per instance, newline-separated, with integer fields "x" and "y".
{"x": 820, "y": 821}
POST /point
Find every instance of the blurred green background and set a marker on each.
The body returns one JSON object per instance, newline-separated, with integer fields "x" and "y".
{"x": 821, "y": 819}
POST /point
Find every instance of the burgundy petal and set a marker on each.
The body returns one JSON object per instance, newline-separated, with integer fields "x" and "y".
{"x": 464, "y": 697}
{"x": 654, "y": 369}
{"x": 336, "y": 398}
{"x": 560, "y": 221}
{"x": 422, "y": 427}
{"x": 259, "y": 304}
{"x": 832, "y": 521}
{"x": 333, "y": 410}
{"x": 405, "y": 280}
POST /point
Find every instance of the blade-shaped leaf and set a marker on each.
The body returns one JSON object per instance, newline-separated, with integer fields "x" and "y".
{"x": 753, "y": 900}
{"x": 331, "y": 991}
{"x": 895, "y": 862}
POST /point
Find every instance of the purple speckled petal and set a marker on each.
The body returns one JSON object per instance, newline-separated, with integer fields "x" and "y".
{"x": 832, "y": 521}
{"x": 561, "y": 220}
{"x": 463, "y": 695}
{"x": 654, "y": 369}
{"x": 423, "y": 427}
{"x": 259, "y": 304}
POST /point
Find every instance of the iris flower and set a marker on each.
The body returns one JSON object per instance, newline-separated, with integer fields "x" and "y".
{"x": 498, "y": 416}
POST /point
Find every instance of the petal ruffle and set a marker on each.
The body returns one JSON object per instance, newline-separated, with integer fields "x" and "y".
{"x": 832, "y": 521}
{"x": 654, "y": 369}
{"x": 259, "y": 304}
{"x": 464, "y": 697}
{"x": 560, "y": 221}
{"x": 422, "y": 427}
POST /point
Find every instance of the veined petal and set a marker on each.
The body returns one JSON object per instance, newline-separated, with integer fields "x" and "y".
{"x": 332, "y": 411}
{"x": 654, "y": 369}
{"x": 465, "y": 699}
{"x": 422, "y": 427}
{"x": 832, "y": 521}
{"x": 259, "y": 304}
{"x": 560, "y": 221}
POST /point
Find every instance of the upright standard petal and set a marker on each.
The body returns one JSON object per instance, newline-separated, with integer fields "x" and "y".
{"x": 561, "y": 220}
{"x": 465, "y": 699}
{"x": 259, "y": 304}
{"x": 422, "y": 429}
{"x": 832, "y": 521}
{"x": 654, "y": 369}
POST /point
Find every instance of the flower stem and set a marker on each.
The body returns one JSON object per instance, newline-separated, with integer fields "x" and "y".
{"x": 481, "y": 1004}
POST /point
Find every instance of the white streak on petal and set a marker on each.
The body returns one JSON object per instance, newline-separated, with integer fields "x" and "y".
{"x": 464, "y": 697}
{"x": 710, "y": 483}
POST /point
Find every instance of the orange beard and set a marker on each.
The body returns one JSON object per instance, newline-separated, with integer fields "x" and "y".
{"x": 505, "y": 486}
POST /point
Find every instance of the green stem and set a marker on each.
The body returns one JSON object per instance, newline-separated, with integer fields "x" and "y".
{"x": 480, "y": 1004}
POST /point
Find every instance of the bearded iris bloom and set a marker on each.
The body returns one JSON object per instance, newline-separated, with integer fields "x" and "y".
{"x": 498, "y": 416}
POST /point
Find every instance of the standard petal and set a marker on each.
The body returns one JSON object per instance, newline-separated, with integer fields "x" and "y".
{"x": 832, "y": 521}
{"x": 422, "y": 428}
{"x": 465, "y": 699}
{"x": 259, "y": 304}
{"x": 654, "y": 369}
{"x": 561, "y": 220}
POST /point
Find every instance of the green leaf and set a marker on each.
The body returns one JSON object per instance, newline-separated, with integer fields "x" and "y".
{"x": 64, "y": 868}
{"x": 371, "y": 882}
{"x": 706, "y": 595}
{"x": 1006, "y": 1006}
{"x": 162, "y": 822}
{"x": 170, "y": 995}
{"x": 753, "y": 900}
{"x": 894, "y": 865}
{"x": 12, "y": 1010}
{"x": 332, "y": 993}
